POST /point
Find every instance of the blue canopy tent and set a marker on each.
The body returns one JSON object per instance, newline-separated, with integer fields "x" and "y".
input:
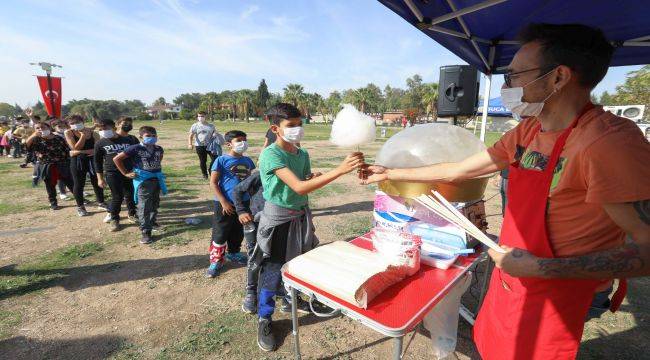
{"x": 495, "y": 108}
{"x": 482, "y": 32}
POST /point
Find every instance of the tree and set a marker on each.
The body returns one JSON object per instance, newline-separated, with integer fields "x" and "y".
{"x": 209, "y": 104}
{"x": 293, "y": 94}
{"x": 393, "y": 98}
{"x": 262, "y": 98}
{"x": 189, "y": 101}
{"x": 635, "y": 90}
{"x": 160, "y": 101}
{"x": 413, "y": 97}
{"x": 606, "y": 99}
{"x": 245, "y": 100}
{"x": 6, "y": 110}
{"x": 430, "y": 99}
{"x": 333, "y": 103}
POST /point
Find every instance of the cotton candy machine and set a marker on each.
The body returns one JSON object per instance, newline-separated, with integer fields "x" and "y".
{"x": 429, "y": 144}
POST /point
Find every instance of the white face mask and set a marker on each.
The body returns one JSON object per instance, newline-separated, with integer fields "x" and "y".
{"x": 77, "y": 126}
{"x": 294, "y": 134}
{"x": 511, "y": 98}
{"x": 240, "y": 147}
{"x": 106, "y": 133}
{"x": 45, "y": 132}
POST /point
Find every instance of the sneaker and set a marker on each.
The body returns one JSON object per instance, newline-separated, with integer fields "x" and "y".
{"x": 303, "y": 306}
{"x": 21, "y": 165}
{"x": 103, "y": 206}
{"x": 249, "y": 305}
{"x": 115, "y": 225}
{"x": 239, "y": 258}
{"x": 146, "y": 237}
{"x": 265, "y": 338}
{"x": 107, "y": 218}
{"x": 133, "y": 218}
{"x": 86, "y": 194}
{"x": 81, "y": 211}
{"x": 54, "y": 207}
{"x": 214, "y": 270}
{"x": 65, "y": 197}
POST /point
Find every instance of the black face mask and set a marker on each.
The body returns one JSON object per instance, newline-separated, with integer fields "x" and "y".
{"x": 127, "y": 127}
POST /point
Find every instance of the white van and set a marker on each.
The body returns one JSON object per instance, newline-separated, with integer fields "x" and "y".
{"x": 634, "y": 113}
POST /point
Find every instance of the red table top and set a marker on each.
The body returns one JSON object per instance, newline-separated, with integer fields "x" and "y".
{"x": 403, "y": 305}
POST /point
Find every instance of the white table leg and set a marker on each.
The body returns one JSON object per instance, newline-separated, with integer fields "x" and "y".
{"x": 294, "y": 320}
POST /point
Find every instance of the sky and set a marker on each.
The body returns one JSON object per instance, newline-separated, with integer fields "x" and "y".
{"x": 150, "y": 48}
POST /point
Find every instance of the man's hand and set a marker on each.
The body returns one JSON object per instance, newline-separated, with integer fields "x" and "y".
{"x": 372, "y": 174}
{"x": 101, "y": 183}
{"x": 190, "y": 146}
{"x": 131, "y": 175}
{"x": 227, "y": 208}
{"x": 515, "y": 262}
{"x": 245, "y": 218}
{"x": 87, "y": 133}
{"x": 351, "y": 162}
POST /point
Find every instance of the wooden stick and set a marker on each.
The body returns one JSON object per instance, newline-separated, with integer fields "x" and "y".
{"x": 448, "y": 212}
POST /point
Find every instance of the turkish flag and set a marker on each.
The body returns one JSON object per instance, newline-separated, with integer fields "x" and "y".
{"x": 51, "y": 94}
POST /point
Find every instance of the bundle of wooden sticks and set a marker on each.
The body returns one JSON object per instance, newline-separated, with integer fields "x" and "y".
{"x": 438, "y": 204}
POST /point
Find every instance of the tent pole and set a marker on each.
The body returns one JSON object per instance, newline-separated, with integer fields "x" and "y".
{"x": 486, "y": 100}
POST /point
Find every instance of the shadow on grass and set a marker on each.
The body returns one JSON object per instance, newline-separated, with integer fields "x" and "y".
{"x": 95, "y": 347}
{"x": 344, "y": 209}
{"x": 81, "y": 277}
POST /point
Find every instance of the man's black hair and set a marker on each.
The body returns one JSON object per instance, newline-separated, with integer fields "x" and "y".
{"x": 234, "y": 134}
{"x": 147, "y": 129}
{"x": 36, "y": 118}
{"x": 123, "y": 118}
{"x": 584, "y": 49}
{"x": 106, "y": 122}
{"x": 200, "y": 113}
{"x": 282, "y": 111}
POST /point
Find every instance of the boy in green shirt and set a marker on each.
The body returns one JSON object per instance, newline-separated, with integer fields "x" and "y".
{"x": 286, "y": 229}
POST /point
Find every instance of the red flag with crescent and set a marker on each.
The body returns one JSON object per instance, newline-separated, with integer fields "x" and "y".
{"x": 51, "y": 94}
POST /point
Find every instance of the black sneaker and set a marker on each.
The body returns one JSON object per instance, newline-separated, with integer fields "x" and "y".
{"x": 114, "y": 225}
{"x": 265, "y": 338}
{"x": 302, "y": 308}
{"x": 249, "y": 305}
{"x": 146, "y": 237}
{"x": 54, "y": 207}
{"x": 133, "y": 218}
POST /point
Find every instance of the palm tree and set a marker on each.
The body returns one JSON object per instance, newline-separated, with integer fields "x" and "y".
{"x": 293, "y": 94}
{"x": 362, "y": 98}
{"x": 245, "y": 101}
{"x": 430, "y": 99}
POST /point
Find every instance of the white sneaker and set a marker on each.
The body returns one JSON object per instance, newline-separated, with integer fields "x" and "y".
{"x": 64, "y": 197}
{"x": 107, "y": 219}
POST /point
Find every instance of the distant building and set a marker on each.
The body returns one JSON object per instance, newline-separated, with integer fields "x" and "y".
{"x": 392, "y": 117}
{"x": 155, "y": 110}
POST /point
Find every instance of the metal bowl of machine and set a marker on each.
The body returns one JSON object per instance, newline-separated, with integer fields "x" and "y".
{"x": 429, "y": 144}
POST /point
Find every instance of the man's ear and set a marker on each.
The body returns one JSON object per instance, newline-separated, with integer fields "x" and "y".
{"x": 275, "y": 128}
{"x": 563, "y": 76}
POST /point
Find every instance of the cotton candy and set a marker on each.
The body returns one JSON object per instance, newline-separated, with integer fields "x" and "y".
{"x": 352, "y": 128}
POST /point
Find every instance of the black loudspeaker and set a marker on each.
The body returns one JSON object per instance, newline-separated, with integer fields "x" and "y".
{"x": 458, "y": 90}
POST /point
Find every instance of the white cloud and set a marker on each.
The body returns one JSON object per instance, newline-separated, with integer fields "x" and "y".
{"x": 250, "y": 10}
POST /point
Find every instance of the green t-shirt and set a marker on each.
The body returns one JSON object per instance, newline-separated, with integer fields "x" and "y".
{"x": 275, "y": 190}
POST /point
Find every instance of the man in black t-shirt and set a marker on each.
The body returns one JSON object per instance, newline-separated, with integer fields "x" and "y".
{"x": 111, "y": 144}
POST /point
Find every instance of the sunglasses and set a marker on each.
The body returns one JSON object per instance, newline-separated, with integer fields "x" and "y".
{"x": 507, "y": 77}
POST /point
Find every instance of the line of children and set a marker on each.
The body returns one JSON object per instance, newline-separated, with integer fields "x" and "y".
{"x": 149, "y": 181}
{"x": 227, "y": 171}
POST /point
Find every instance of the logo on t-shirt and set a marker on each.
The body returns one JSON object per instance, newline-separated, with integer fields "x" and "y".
{"x": 534, "y": 160}
{"x": 241, "y": 171}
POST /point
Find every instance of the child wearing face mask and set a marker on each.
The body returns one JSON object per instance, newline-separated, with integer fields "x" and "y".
{"x": 81, "y": 141}
{"x": 201, "y": 134}
{"x": 52, "y": 153}
{"x": 114, "y": 141}
{"x": 287, "y": 180}
{"x": 148, "y": 179}
{"x": 227, "y": 232}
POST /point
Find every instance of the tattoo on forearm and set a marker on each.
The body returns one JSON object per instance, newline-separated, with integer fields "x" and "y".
{"x": 517, "y": 253}
{"x": 643, "y": 209}
{"x": 612, "y": 263}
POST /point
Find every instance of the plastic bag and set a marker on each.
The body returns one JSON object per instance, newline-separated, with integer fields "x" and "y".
{"x": 442, "y": 321}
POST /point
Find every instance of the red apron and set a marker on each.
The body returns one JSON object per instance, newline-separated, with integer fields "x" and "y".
{"x": 532, "y": 318}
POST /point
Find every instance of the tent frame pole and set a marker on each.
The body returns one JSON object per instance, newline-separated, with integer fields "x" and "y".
{"x": 486, "y": 100}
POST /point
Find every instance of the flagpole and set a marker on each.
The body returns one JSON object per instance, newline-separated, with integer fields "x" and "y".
{"x": 51, "y": 94}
